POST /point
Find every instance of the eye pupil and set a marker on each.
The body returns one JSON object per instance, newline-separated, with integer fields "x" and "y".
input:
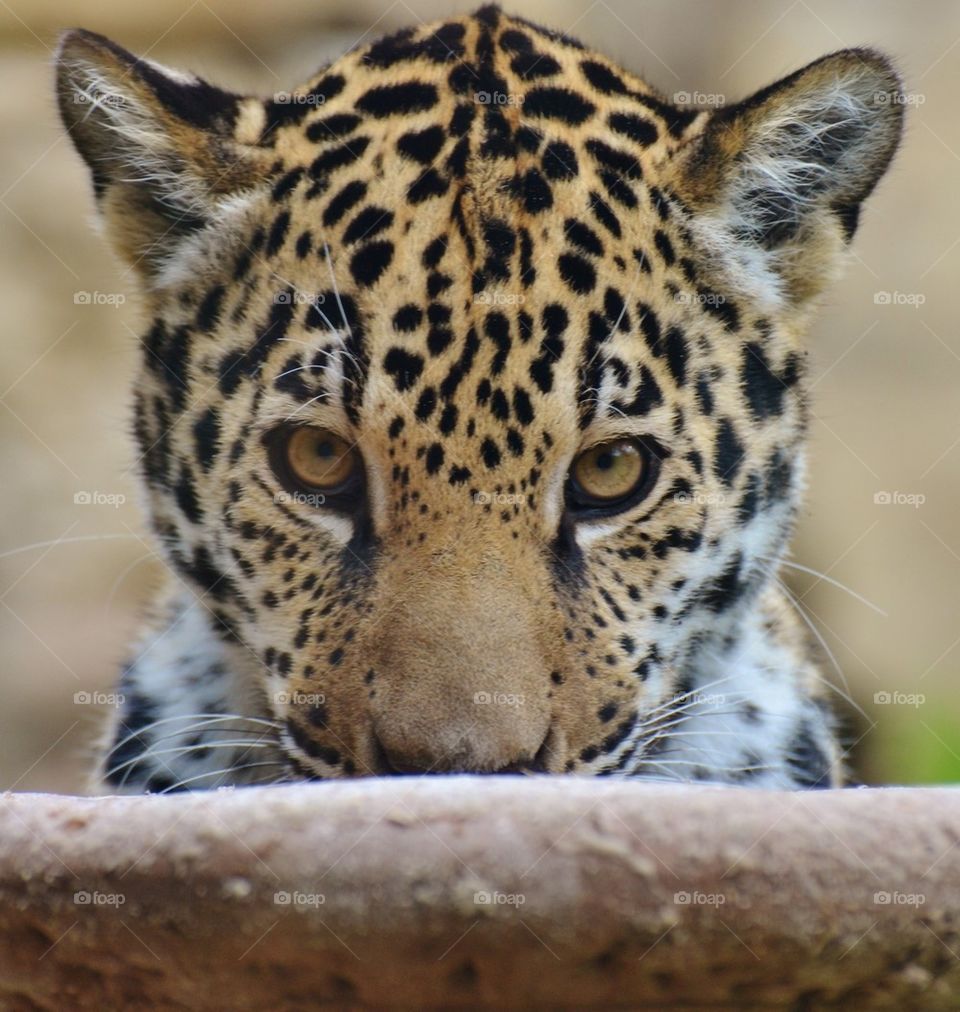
{"x": 609, "y": 476}
{"x": 308, "y": 458}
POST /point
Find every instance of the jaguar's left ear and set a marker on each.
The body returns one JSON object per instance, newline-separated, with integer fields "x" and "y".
{"x": 166, "y": 151}
{"x": 775, "y": 183}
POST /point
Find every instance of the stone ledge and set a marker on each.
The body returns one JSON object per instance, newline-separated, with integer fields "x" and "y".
{"x": 512, "y": 892}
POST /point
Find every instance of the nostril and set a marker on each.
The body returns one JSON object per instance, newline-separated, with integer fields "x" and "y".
{"x": 537, "y": 764}
{"x": 540, "y": 762}
{"x": 390, "y": 763}
{"x": 403, "y": 769}
{"x": 393, "y": 765}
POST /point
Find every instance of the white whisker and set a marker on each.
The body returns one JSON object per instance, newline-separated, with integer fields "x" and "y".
{"x": 827, "y": 579}
{"x": 183, "y": 750}
{"x": 211, "y": 718}
{"x": 844, "y": 692}
{"x": 336, "y": 290}
{"x": 222, "y": 772}
{"x": 66, "y": 541}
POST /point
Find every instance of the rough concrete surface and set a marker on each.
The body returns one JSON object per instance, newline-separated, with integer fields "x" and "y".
{"x": 463, "y": 891}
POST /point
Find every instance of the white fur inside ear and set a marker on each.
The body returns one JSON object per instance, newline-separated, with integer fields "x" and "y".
{"x": 798, "y": 158}
{"x": 143, "y": 152}
{"x": 189, "y": 257}
{"x": 750, "y": 269}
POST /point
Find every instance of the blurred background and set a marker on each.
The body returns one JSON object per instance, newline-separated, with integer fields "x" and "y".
{"x": 881, "y": 523}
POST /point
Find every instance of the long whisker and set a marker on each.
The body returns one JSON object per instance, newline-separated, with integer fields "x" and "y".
{"x": 665, "y": 728}
{"x": 683, "y": 704}
{"x": 844, "y": 692}
{"x": 313, "y": 400}
{"x": 827, "y": 579}
{"x": 118, "y": 582}
{"x": 186, "y": 749}
{"x": 336, "y": 290}
{"x": 211, "y": 718}
{"x": 228, "y": 769}
{"x": 694, "y": 762}
{"x": 199, "y": 729}
{"x": 670, "y": 766}
{"x": 686, "y": 698}
{"x": 702, "y": 734}
{"x": 301, "y": 368}
{"x": 66, "y": 541}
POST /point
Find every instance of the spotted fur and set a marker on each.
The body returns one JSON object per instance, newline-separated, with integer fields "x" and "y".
{"x": 473, "y": 249}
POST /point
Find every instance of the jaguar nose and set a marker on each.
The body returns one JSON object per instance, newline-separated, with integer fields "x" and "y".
{"x": 397, "y": 765}
{"x": 395, "y": 757}
{"x": 463, "y": 678}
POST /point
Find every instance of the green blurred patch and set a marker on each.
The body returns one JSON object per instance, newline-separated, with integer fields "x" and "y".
{"x": 916, "y": 747}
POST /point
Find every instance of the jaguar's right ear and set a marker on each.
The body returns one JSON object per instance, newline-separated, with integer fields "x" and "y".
{"x": 165, "y": 148}
{"x": 776, "y": 182}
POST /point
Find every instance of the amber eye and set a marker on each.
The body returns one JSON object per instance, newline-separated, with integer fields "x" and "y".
{"x": 609, "y": 475}
{"x": 318, "y": 459}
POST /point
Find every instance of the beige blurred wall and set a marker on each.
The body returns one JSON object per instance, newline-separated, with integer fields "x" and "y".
{"x": 886, "y": 396}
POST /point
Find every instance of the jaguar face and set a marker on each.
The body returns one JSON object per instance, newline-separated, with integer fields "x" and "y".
{"x": 472, "y": 399}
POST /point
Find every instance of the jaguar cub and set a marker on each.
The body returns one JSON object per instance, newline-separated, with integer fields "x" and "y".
{"x": 472, "y": 405}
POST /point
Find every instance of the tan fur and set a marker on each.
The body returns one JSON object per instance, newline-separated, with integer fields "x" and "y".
{"x": 444, "y": 628}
